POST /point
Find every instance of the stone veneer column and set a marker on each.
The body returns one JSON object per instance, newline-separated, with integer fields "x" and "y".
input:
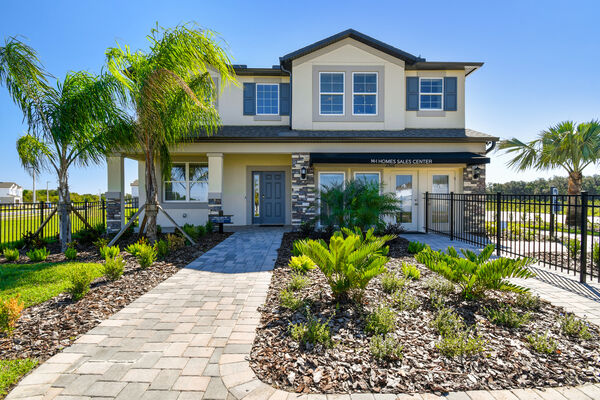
{"x": 215, "y": 183}
{"x": 115, "y": 195}
{"x": 303, "y": 190}
{"x": 472, "y": 185}
{"x": 474, "y": 222}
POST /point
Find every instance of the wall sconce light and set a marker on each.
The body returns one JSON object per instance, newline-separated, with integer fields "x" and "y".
{"x": 303, "y": 173}
{"x": 476, "y": 172}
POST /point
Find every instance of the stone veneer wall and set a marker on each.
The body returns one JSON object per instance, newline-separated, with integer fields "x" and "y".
{"x": 303, "y": 190}
{"x": 474, "y": 221}
{"x": 113, "y": 212}
{"x": 472, "y": 185}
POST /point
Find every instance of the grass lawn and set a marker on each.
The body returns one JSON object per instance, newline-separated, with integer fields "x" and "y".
{"x": 11, "y": 371}
{"x": 37, "y": 283}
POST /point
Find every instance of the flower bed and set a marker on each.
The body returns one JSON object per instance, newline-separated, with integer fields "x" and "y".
{"x": 500, "y": 357}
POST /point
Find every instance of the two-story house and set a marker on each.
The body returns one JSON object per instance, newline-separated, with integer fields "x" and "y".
{"x": 10, "y": 193}
{"x": 346, "y": 107}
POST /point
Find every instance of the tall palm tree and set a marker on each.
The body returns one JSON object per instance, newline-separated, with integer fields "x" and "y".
{"x": 170, "y": 95}
{"x": 72, "y": 124}
{"x": 566, "y": 145}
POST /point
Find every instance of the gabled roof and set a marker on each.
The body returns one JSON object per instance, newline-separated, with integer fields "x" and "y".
{"x": 358, "y": 36}
{"x": 4, "y": 185}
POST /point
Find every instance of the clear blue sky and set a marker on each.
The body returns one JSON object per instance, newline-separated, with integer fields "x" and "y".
{"x": 541, "y": 58}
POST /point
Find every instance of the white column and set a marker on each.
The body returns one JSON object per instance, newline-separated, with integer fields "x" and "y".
{"x": 215, "y": 182}
{"x": 115, "y": 194}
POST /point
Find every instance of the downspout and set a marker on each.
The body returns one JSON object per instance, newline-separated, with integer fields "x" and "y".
{"x": 290, "y": 74}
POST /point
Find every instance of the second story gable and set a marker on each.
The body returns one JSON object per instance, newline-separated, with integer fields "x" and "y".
{"x": 349, "y": 81}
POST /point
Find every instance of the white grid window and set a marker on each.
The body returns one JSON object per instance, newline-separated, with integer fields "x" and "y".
{"x": 431, "y": 93}
{"x": 364, "y": 93}
{"x": 331, "y": 93}
{"x": 188, "y": 182}
{"x": 267, "y": 99}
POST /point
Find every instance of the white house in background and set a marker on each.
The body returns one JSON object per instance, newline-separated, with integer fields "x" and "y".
{"x": 10, "y": 193}
{"x": 135, "y": 190}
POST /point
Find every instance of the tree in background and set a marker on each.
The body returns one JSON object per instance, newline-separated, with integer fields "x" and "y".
{"x": 170, "y": 94}
{"x": 566, "y": 145}
{"x": 591, "y": 184}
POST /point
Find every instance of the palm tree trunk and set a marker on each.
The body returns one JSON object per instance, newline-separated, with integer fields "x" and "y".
{"x": 151, "y": 197}
{"x": 575, "y": 184}
{"x": 64, "y": 202}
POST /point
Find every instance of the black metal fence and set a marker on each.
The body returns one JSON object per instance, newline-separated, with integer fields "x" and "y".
{"x": 560, "y": 231}
{"x": 17, "y": 220}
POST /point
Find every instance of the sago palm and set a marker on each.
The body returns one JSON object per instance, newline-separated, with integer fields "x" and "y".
{"x": 170, "y": 96}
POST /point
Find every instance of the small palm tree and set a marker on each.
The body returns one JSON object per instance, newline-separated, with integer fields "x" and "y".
{"x": 566, "y": 145}
{"x": 170, "y": 94}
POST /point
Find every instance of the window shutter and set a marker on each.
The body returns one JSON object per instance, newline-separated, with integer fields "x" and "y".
{"x": 450, "y": 93}
{"x": 284, "y": 99}
{"x": 412, "y": 93}
{"x": 249, "y": 98}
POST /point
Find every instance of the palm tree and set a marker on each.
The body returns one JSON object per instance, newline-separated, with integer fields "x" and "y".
{"x": 565, "y": 145}
{"x": 170, "y": 94}
{"x": 72, "y": 124}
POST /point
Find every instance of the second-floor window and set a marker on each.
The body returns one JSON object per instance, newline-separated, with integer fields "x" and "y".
{"x": 430, "y": 93}
{"x": 267, "y": 99}
{"x": 364, "y": 93}
{"x": 331, "y": 93}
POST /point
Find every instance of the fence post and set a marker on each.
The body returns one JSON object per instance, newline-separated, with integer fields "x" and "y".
{"x": 42, "y": 208}
{"x": 426, "y": 212}
{"x": 498, "y": 221}
{"x": 103, "y": 212}
{"x": 583, "y": 258}
{"x": 85, "y": 212}
{"x": 451, "y": 215}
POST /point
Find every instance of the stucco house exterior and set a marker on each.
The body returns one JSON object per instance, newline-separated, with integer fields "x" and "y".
{"x": 10, "y": 193}
{"x": 346, "y": 107}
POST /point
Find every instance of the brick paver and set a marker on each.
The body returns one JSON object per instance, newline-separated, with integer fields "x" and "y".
{"x": 190, "y": 338}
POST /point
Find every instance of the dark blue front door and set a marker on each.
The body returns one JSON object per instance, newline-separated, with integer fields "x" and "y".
{"x": 269, "y": 197}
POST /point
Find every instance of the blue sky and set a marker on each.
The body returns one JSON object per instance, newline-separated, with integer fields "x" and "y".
{"x": 541, "y": 58}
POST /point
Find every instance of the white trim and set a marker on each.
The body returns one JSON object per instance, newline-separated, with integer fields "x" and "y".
{"x": 187, "y": 184}
{"x": 343, "y": 93}
{"x": 278, "y": 98}
{"x": 441, "y": 94}
{"x": 333, "y": 172}
{"x": 376, "y": 94}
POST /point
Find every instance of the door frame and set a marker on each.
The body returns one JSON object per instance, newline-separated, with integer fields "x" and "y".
{"x": 261, "y": 203}
{"x": 287, "y": 169}
{"x": 414, "y": 226}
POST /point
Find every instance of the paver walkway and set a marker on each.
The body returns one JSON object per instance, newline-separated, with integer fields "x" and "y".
{"x": 190, "y": 337}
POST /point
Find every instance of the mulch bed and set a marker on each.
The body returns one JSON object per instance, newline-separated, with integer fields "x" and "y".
{"x": 46, "y": 328}
{"x": 508, "y": 361}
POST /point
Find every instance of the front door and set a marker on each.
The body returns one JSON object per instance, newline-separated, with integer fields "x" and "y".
{"x": 406, "y": 185}
{"x": 269, "y": 197}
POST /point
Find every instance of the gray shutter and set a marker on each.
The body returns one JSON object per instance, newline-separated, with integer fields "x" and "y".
{"x": 450, "y": 93}
{"x": 412, "y": 93}
{"x": 249, "y": 98}
{"x": 284, "y": 99}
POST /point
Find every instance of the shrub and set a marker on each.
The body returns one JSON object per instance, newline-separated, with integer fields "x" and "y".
{"x": 175, "y": 242}
{"x": 447, "y": 321}
{"x": 37, "y": 255}
{"x": 191, "y": 231}
{"x": 101, "y": 242}
{"x": 506, "y": 316}
{"x": 289, "y": 300}
{"x": 10, "y": 312}
{"x": 135, "y": 248}
{"x": 200, "y": 230}
{"x": 307, "y": 228}
{"x": 88, "y": 235}
{"x": 296, "y": 248}
{"x": 440, "y": 285}
{"x": 209, "y": 226}
{"x": 542, "y": 343}
{"x": 410, "y": 271}
{"x": 32, "y": 241}
{"x": 107, "y": 252}
{"x": 403, "y": 300}
{"x": 475, "y": 274}
{"x": 301, "y": 264}
{"x": 80, "y": 279}
{"x": 162, "y": 248}
{"x": 416, "y": 247}
{"x": 381, "y": 321}
{"x": 461, "y": 343}
{"x": 574, "y": 247}
{"x": 390, "y": 282}
{"x": 527, "y": 301}
{"x": 574, "y": 327}
{"x": 350, "y": 260}
{"x": 147, "y": 256}
{"x": 596, "y": 253}
{"x": 113, "y": 268}
{"x": 298, "y": 282}
{"x": 71, "y": 253}
{"x": 11, "y": 254}
{"x": 391, "y": 229}
{"x": 386, "y": 348}
{"x": 313, "y": 331}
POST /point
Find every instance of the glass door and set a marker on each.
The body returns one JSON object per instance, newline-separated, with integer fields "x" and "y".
{"x": 405, "y": 192}
{"x": 440, "y": 209}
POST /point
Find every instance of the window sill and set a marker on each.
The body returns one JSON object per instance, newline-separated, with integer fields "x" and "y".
{"x": 178, "y": 205}
{"x": 431, "y": 113}
{"x": 267, "y": 117}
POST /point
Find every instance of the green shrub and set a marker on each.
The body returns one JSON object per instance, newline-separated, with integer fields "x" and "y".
{"x": 146, "y": 256}
{"x": 381, "y": 321}
{"x": 298, "y": 282}
{"x": 350, "y": 260}
{"x": 301, "y": 264}
{"x": 447, "y": 321}
{"x": 476, "y": 274}
{"x": 32, "y": 241}
{"x": 313, "y": 331}
{"x": 440, "y": 285}
{"x": 134, "y": 249}
{"x": 80, "y": 279}
{"x": 596, "y": 253}
{"x": 113, "y": 268}
{"x": 506, "y": 316}
{"x": 289, "y": 300}
{"x": 390, "y": 282}
{"x": 10, "y": 312}
{"x": 175, "y": 242}
{"x": 101, "y": 242}
{"x": 542, "y": 343}
{"x": 37, "y": 255}
{"x": 11, "y": 254}
{"x": 416, "y": 247}
{"x": 209, "y": 226}
{"x": 527, "y": 301}
{"x": 296, "y": 248}
{"x": 403, "y": 300}
{"x": 410, "y": 271}
{"x": 191, "y": 231}
{"x": 162, "y": 248}
{"x": 107, "y": 252}
{"x": 574, "y": 327}
{"x": 70, "y": 253}
{"x": 574, "y": 247}
{"x": 386, "y": 348}
{"x": 461, "y": 343}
